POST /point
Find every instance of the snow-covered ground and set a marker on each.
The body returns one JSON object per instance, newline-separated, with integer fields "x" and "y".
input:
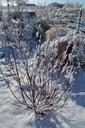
{"x": 12, "y": 115}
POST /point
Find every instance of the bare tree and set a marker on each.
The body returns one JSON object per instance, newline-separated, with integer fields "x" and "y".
{"x": 45, "y": 81}
{"x": 1, "y": 10}
{"x": 20, "y": 4}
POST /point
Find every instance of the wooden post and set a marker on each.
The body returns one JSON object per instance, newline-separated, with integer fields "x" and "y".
{"x": 79, "y": 20}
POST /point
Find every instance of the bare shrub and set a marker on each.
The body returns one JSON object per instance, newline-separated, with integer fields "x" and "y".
{"x": 45, "y": 80}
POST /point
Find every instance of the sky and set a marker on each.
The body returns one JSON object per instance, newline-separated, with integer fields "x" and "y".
{"x": 50, "y": 1}
{"x": 59, "y": 1}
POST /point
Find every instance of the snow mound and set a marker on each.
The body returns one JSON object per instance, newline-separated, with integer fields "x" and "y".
{"x": 57, "y": 48}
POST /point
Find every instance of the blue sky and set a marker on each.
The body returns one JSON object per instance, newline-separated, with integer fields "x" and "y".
{"x": 59, "y": 1}
{"x": 50, "y": 1}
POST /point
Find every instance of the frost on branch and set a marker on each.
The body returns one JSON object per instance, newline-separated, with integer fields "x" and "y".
{"x": 44, "y": 81}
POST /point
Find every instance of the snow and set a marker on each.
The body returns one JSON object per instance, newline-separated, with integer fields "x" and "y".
{"x": 13, "y": 115}
{"x": 72, "y": 115}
